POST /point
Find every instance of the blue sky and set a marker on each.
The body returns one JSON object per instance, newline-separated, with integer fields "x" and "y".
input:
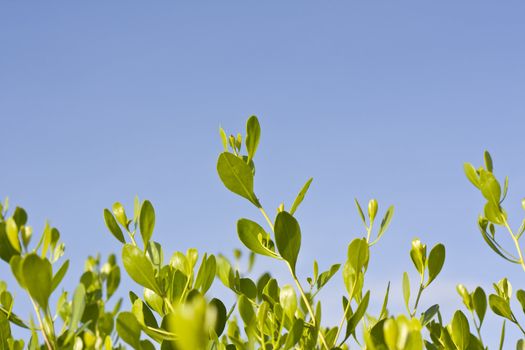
{"x": 100, "y": 101}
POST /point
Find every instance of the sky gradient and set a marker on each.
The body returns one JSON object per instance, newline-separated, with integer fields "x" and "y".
{"x": 100, "y": 101}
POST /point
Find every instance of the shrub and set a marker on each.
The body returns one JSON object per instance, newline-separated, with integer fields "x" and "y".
{"x": 175, "y": 310}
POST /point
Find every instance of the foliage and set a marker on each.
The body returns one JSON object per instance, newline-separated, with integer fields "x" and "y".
{"x": 174, "y": 309}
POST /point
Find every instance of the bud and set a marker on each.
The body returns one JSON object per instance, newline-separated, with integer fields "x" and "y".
{"x": 372, "y": 209}
{"x": 280, "y": 208}
{"x": 418, "y": 253}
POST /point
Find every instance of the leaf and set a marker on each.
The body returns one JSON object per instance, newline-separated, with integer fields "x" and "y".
{"x": 38, "y": 275}
{"x": 146, "y": 222}
{"x": 78, "y": 306}
{"x": 221, "y": 315}
{"x": 206, "y": 273}
{"x": 253, "y": 134}
{"x": 325, "y": 276}
{"x": 288, "y": 300}
{"x": 360, "y": 210}
{"x": 139, "y": 267}
{"x": 57, "y": 278}
{"x": 128, "y": 329}
{"x": 491, "y": 190}
{"x": 406, "y": 290}
{"x": 385, "y": 222}
{"x": 492, "y": 243}
{"x": 384, "y": 310}
{"x": 460, "y": 330}
{"x": 20, "y": 216}
{"x": 436, "y": 259}
{"x": 246, "y": 310}
{"x": 237, "y": 176}
{"x": 295, "y": 334}
{"x": 358, "y": 254}
{"x": 120, "y": 214}
{"x": 479, "y": 301}
{"x": 471, "y": 174}
{"x": 253, "y": 236}
{"x": 500, "y": 306}
{"x": 113, "y": 226}
{"x": 300, "y": 197}
{"x": 224, "y": 139}
{"x": 288, "y": 237}
{"x": 488, "y": 161}
{"x": 427, "y": 316}
{"x": 6, "y": 249}
{"x": 358, "y": 314}
{"x": 12, "y": 234}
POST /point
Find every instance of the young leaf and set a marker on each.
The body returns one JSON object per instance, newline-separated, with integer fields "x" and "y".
{"x": 436, "y": 259}
{"x": 224, "y": 139}
{"x": 360, "y": 211}
{"x": 57, "y": 278}
{"x": 479, "y": 301}
{"x": 288, "y": 237}
{"x": 471, "y": 174}
{"x": 128, "y": 329}
{"x": 358, "y": 314}
{"x": 146, "y": 222}
{"x": 491, "y": 190}
{"x": 12, "y": 234}
{"x": 38, "y": 275}
{"x": 120, "y": 214}
{"x": 288, "y": 300}
{"x": 299, "y": 199}
{"x": 488, "y": 161}
{"x": 252, "y": 235}
{"x": 139, "y": 267}
{"x": 77, "y": 307}
{"x": 500, "y": 306}
{"x": 386, "y": 221}
{"x": 460, "y": 330}
{"x": 253, "y": 133}
{"x": 237, "y": 176}
{"x": 113, "y": 226}
{"x": 406, "y": 290}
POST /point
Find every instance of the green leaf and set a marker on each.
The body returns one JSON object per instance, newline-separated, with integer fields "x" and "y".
{"x": 237, "y": 176}
{"x": 146, "y": 222}
{"x": 253, "y": 134}
{"x": 221, "y": 315}
{"x": 295, "y": 334}
{"x": 358, "y": 314}
{"x": 78, "y": 306}
{"x": 436, "y": 259}
{"x": 139, "y": 267}
{"x": 406, "y": 290}
{"x": 224, "y": 139}
{"x": 494, "y": 213}
{"x": 57, "y": 278}
{"x": 488, "y": 161}
{"x": 288, "y": 300}
{"x": 12, "y": 234}
{"x": 246, "y": 310}
{"x": 325, "y": 276}
{"x": 384, "y": 310}
{"x": 520, "y": 295}
{"x": 358, "y": 254}
{"x": 385, "y": 222}
{"x": 500, "y": 306}
{"x": 38, "y": 275}
{"x": 427, "y": 316}
{"x": 206, "y": 273}
{"x": 253, "y": 236}
{"x": 479, "y": 301}
{"x": 460, "y": 330}
{"x": 120, "y": 214}
{"x": 20, "y": 216}
{"x": 113, "y": 226}
{"x": 300, "y": 197}
{"x": 6, "y": 249}
{"x": 128, "y": 329}
{"x": 471, "y": 174}
{"x": 491, "y": 190}
{"x": 288, "y": 237}
{"x": 360, "y": 211}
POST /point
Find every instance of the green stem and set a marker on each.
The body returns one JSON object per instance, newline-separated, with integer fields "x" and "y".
{"x": 42, "y": 328}
{"x": 266, "y": 217}
{"x": 421, "y": 288}
{"x": 516, "y": 243}
{"x": 308, "y": 306}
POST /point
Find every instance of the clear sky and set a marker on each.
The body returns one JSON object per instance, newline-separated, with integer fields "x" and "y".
{"x": 102, "y": 100}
